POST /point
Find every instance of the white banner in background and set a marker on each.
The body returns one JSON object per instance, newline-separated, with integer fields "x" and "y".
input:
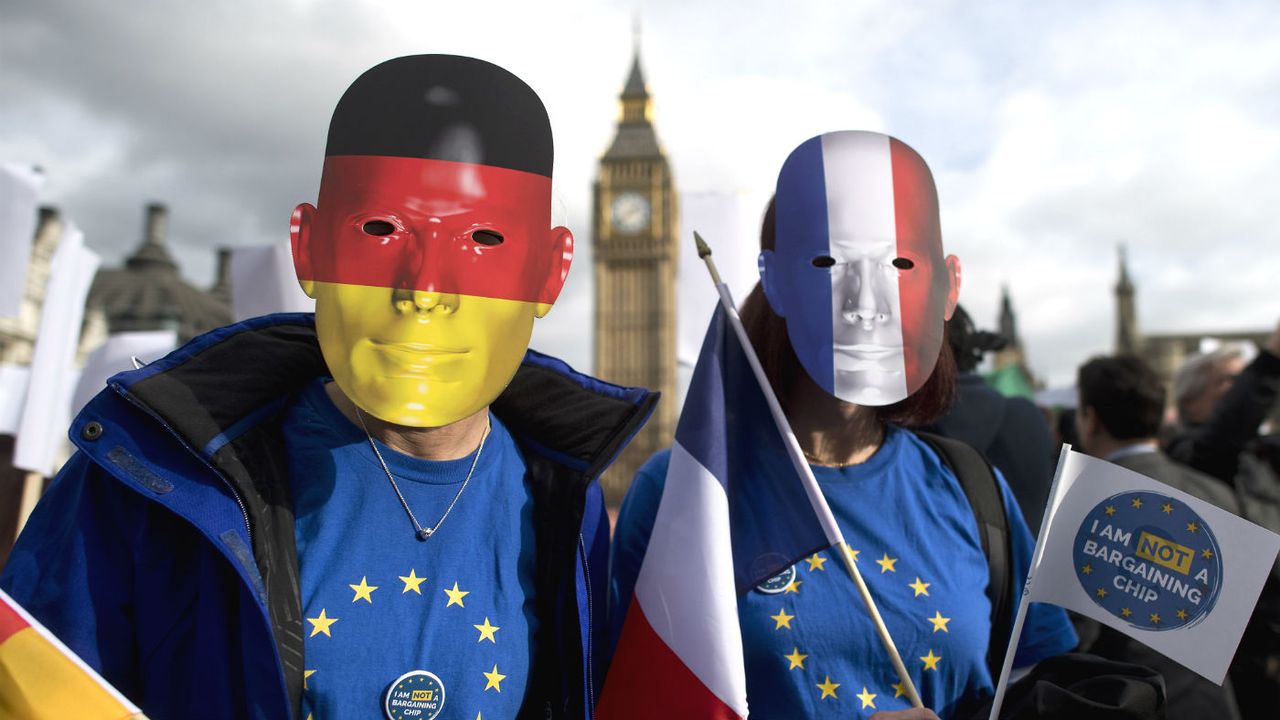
{"x": 46, "y": 413}
{"x": 116, "y": 355}
{"x": 263, "y": 282}
{"x": 13, "y": 393}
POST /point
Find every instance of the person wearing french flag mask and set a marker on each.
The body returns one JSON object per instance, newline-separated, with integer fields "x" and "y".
{"x": 859, "y": 273}
{"x": 848, "y": 323}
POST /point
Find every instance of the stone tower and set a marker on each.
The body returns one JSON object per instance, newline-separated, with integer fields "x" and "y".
{"x": 149, "y": 293}
{"x": 634, "y": 228}
{"x": 1126, "y": 313}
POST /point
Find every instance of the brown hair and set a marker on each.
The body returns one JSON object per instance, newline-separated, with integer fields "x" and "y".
{"x": 768, "y": 334}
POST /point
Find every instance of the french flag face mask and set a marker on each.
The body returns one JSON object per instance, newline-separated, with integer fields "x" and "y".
{"x": 858, "y": 270}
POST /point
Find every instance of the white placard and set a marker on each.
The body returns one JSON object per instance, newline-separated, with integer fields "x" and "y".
{"x": 263, "y": 282}
{"x": 47, "y": 409}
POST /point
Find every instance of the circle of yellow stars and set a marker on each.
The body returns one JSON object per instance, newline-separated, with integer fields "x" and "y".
{"x": 323, "y": 624}
{"x": 1191, "y": 527}
{"x": 796, "y": 660}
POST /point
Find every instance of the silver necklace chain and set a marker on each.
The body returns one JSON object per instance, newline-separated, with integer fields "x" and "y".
{"x": 421, "y": 532}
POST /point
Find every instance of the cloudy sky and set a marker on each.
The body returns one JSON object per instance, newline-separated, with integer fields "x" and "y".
{"x": 1056, "y": 130}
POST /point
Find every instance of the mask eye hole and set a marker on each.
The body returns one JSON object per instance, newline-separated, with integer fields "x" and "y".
{"x": 824, "y": 261}
{"x": 378, "y": 228}
{"x": 903, "y": 263}
{"x": 488, "y": 238}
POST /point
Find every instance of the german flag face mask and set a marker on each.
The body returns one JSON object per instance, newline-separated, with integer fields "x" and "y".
{"x": 430, "y": 251}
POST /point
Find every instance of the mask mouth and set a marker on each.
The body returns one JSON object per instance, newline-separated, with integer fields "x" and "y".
{"x": 419, "y": 348}
{"x": 868, "y": 351}
{"x": 410, "y": 359}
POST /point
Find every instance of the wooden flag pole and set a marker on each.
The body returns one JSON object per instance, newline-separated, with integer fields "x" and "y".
{"x": 820, "y": 506}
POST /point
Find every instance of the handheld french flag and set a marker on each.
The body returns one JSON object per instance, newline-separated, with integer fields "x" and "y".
{"x": 735, "y": 508}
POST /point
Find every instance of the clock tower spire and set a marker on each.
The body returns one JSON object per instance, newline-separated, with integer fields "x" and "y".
{"x": 634, "y": 241}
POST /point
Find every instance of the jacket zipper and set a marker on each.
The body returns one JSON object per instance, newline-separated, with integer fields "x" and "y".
{"x": 586, "y": 575}
{"x": 244, "y": 513}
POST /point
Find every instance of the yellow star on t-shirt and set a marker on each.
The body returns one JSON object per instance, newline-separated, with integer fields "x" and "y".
{"x": 816, "y": 562}
{"x": 1206, "y": 553}
{"x": 1087, "y": 569}
{"x": 364, "y": 590}
{"x": 931, "y": 660}
{"x": 868, "y": 698}
{"x": 321, "y": 624}
{"x": 412, "y": 582}
{"x": 494, "y": 677}
{"x": 1137, "y": 502}
{"x": 1102, "y": 592}
{"x": 828, "y": 688}
{"x": 306, "y": 674}
{"x": 487, "y": 631}
{"x": 1192, "y": 527}
{"x": 1155, "y": 618}
{"x": 796, "y": 658}
{"x": 921, "y": 588}
{"x": 886, "y": 564}
{"x": 1125, "y": 612}
{"x": 1167, "y": 508}
{"x": 1182, "y": 614}
{"x": 792, "y": 587}
{"x": 1111, "y": 510}
{"x": 783, "y": 619}
{"x": 456, "y": 595}
{"x": 939, "y": 622}
{"x": 899, "y": 690}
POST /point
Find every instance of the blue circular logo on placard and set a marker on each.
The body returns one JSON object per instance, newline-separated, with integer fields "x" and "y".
{"x": 1149, "y": 560}
{"x": 415, "y": 695}
{"x": 779, "y": 582}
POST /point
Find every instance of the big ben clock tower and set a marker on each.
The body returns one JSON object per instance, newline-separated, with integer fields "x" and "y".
{"x": 634, "y": 232}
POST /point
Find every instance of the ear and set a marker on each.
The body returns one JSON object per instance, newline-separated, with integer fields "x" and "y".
{"x": 300, "y": 240}
{"x": 1086, "y": 424}
{"x": 769, "y": 281}
{"x": 953, "y": 285}
{"x": 562, "y": 247}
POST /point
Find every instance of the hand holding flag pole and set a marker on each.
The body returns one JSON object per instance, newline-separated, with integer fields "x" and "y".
{"x": 820, "y": 507}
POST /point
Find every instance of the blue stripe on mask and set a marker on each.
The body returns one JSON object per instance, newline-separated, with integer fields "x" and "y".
{"x": 802, "y": 235}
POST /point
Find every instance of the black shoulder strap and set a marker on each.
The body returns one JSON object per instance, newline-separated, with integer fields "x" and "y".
{"x": 979, "y": 483}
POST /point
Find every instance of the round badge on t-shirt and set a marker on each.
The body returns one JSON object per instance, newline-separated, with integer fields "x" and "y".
{"x": 415, "y": 695}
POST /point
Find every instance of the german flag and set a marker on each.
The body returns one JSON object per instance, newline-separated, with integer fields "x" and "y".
{"x": 40, "y": 679}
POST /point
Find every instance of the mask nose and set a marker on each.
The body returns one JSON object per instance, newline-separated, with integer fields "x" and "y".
{"x": 861, "y": 301}
{"x": 423, "y": 301}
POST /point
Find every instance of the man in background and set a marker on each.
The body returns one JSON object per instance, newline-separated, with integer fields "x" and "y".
{"x": 1010, "y": 432}
{"x": 1118, "y": 418}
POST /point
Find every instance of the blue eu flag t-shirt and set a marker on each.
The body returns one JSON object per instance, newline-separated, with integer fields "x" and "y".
{"x": 810, "y": 648}
{"x": 449, "y": 621}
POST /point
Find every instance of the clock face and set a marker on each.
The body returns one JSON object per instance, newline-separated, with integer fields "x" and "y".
{"x": 630, "y": 212}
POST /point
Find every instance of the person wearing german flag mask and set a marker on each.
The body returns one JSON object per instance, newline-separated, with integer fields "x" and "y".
{"x": 390, "y": 509}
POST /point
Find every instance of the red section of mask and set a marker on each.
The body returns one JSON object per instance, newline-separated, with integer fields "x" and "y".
{"x": 922, "y": 290}
{"x": 432, "y": 209}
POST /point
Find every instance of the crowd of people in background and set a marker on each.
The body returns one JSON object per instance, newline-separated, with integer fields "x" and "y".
{"x": 1212, "y": 433}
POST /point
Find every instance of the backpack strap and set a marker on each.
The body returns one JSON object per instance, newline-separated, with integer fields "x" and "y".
{"x": 978, "y": 480}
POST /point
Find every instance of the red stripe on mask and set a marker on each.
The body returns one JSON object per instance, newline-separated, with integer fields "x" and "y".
{"x": 432, "y": 225}
{"x": 922, "y": 290}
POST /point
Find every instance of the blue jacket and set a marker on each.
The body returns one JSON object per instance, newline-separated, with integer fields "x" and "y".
{"x": 164, "y": 555}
